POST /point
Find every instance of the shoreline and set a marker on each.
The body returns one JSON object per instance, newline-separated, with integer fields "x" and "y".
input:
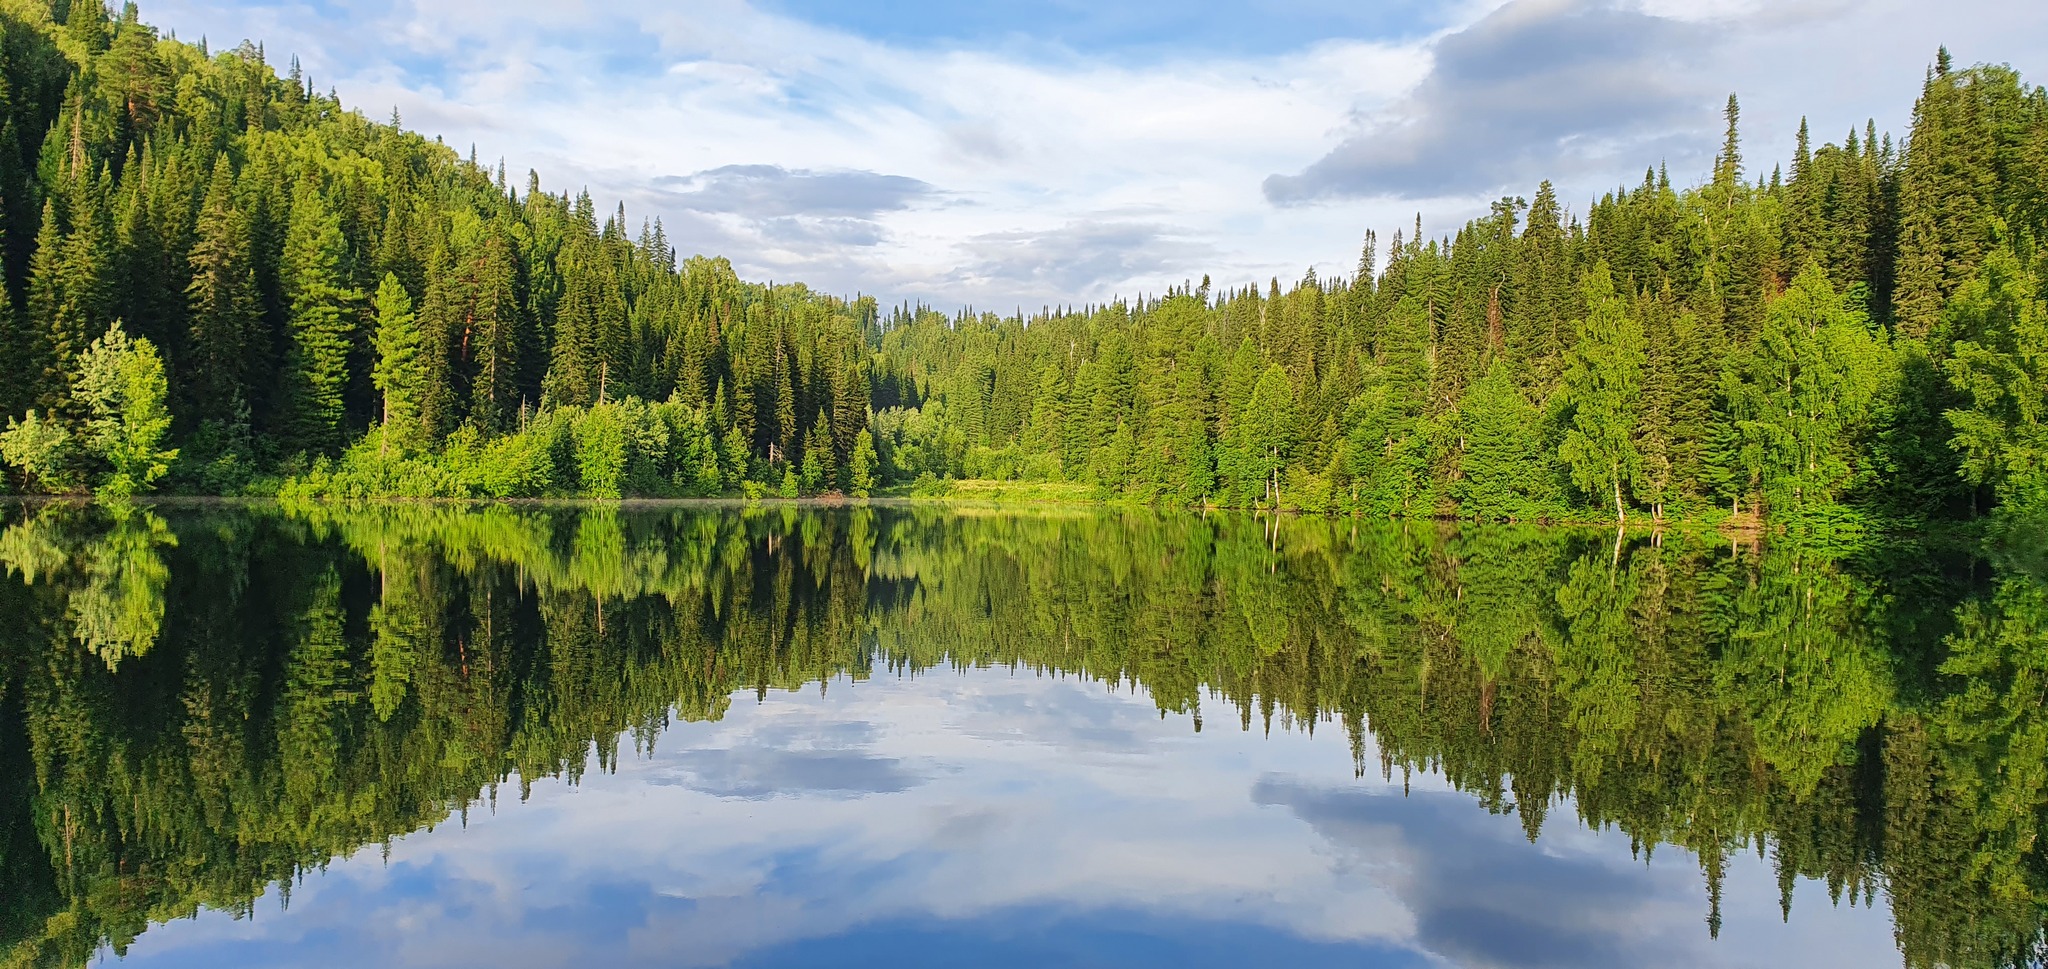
{"x": 1746, "y": 528}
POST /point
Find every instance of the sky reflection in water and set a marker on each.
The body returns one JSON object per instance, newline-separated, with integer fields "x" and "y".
{"x": 994, "y": 818}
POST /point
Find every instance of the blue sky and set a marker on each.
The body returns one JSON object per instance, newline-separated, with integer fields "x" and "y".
{"x": 1151, "y": 29}
{"x": 1042, "y": 152}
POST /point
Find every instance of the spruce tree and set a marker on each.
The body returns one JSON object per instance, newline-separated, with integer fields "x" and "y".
{"x": 1388, "y": 444}
{"x": 322, "y": 320}
{"x": 223, "y": 310}
{"x": 1503, "y": 471}
{"x": 494, "y": 331}
{"x": 401, "y": 372}
{"x": 47, "y": 324}
{"x": 818, "y": 454}
{"x": 861, "y": 479}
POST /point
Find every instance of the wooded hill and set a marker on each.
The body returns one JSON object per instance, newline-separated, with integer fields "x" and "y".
{"x": 221, "y": 281}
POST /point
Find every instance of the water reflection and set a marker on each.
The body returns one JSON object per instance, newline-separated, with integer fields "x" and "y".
{"x": 205, "y": 704}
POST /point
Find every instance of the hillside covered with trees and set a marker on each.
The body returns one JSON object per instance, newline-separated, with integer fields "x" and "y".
{"x": 218, "y": 280}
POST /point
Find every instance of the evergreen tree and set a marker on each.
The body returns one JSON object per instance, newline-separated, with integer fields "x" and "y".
{"x": 861, "y": 479}
{"x": 223, "y": 308}
{"x": 494, "y": 332}
{"x": 48, "y": 326}
{"x": 322, "y": 324}
{"x": 401, "y": 373}
{"x": 1388, "y": 441}
{"x": 1503, "y": 471}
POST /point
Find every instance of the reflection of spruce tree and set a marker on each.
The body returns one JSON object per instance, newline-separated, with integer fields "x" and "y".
{"x": 434, "y": 652}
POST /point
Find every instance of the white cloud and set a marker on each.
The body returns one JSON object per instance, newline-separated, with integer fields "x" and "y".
{"x": 1023, "y": 144}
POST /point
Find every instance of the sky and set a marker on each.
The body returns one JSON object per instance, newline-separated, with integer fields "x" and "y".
{"x": 1033, "y": 153}
{"x": 985, "y": 817}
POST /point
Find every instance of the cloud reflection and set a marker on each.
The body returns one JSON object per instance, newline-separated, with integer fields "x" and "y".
{"x": 993, "y": 818}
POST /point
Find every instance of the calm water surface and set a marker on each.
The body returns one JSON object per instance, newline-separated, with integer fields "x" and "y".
{"x": 708, "y": 736}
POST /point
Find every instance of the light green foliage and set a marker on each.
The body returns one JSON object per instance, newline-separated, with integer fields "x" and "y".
{"x": 118, "y": 611}
{"x": 1387, "y": 445}
{"x": 122, "y": 389}
{"x": 861, "y": 479}
{"x": 400, "y": 374}
{"x": 322, "y": 322}
{"x": 2000, "y": 368}
{"x": 239, "y": 220}
{"x": 1803, "y": 398}
{"x": 1601, "y": 392}
{"x": 1685, "y": 695}
{"x": 1504, "y": 471}
{"x": 601, "y": 449}
{"x": 41, "y": 450}
{"x": 1262, "y": 438}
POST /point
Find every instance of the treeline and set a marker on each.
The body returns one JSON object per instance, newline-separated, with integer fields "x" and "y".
{"x": 344, "y": 308}
{"x": 1852, "y": 337}
{"x": 198, "y": 706}
{"x": 305, "y": 280}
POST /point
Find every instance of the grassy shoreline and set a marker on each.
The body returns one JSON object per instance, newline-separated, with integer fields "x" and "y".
{"x": 990, "y": 493}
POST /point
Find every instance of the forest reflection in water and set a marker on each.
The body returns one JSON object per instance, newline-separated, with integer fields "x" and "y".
{"x": 204, "y": 703}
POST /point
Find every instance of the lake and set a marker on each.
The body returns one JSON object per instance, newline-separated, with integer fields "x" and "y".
{"x": 716, "y": 735}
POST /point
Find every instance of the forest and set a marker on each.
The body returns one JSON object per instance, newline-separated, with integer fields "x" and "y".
{"x": 220, "y": 281}
{"x": 199, "y": 703}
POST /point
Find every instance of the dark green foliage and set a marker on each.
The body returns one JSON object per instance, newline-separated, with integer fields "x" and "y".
{"x": 206, "y": 705}
{"x": 241, "y": 222}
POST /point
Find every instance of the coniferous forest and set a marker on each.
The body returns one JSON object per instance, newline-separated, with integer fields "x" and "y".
{"x": 220, "y": 281}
